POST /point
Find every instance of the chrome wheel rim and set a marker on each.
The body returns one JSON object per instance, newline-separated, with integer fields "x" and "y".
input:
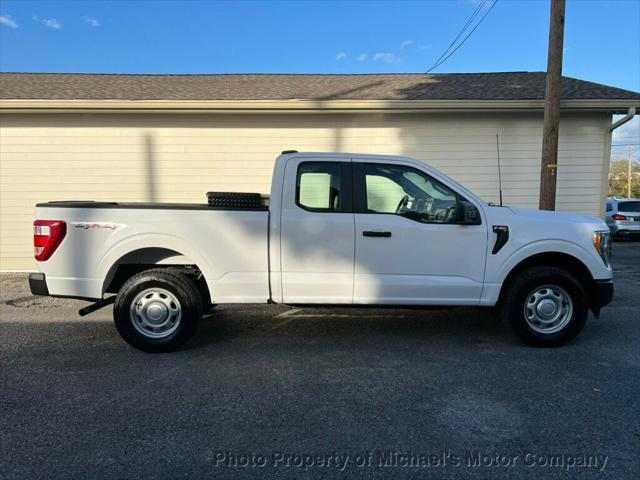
{"x": 548, "y": 309}
{"x": 155, "y": 313}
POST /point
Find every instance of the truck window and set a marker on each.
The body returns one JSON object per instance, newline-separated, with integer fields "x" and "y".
{"x": 405, "y": 191}
{"x": 609, "y": 207}
{"x": 318, "y": 186}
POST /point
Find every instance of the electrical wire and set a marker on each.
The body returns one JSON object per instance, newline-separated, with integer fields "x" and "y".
{"x": 461, "y": 32}
{"x": 440, "y": 62}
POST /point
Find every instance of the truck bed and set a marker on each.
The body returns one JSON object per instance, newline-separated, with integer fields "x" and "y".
{"x": 229, "y": 245}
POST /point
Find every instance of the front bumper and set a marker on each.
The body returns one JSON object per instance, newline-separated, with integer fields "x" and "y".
{"x": 601, "y": 296}
{"x": 38, "y": 284}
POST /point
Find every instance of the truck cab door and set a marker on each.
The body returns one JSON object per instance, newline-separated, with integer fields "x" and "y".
{"x": 317, "y": 231}
{"x": 411, "y": 245}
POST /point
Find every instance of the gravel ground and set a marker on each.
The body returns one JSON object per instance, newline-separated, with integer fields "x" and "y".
{"x": 274, "y": 392}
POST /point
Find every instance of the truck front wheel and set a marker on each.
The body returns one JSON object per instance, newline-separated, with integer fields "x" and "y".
{"x": 158, "y": 310}
{"x": 545, "y": 306}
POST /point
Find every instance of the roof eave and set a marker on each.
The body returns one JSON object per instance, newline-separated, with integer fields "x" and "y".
{"x": 299, "y": 106}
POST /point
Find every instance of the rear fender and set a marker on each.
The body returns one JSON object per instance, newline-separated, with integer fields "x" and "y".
{"x": 157, "y": 249}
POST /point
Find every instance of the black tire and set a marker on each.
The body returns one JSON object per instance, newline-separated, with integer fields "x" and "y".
{"x": 198, "y": 279}
{"x": 189, "y": 302}
{"x": 207, "y": 306}
{"x": 518, "y": 293}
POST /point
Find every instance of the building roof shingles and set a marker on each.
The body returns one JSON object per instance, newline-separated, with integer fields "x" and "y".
{"x": 460, "y": 86}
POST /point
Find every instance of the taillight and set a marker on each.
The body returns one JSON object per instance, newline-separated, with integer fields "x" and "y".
{"x": 617, "y": 216}
{"x": 47, "y": 237}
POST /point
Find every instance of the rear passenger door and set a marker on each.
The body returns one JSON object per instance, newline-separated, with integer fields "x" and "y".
{"x": 317, "y": 231}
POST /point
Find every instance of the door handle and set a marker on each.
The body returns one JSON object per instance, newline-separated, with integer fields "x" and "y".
{"x": 370, "y": 233}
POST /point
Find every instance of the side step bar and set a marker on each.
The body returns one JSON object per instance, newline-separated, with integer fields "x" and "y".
{"x": 96, "y": 306}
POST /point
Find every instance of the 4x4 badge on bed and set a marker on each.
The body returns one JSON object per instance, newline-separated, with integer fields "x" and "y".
{"x": 91, "y": 225}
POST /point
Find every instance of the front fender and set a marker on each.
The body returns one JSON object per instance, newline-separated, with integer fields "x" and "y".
{"x": 501, "y": 265}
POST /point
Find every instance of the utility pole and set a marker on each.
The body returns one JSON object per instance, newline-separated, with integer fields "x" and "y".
{"x": 549, "y": 166}
{"x": 629, "y": 172}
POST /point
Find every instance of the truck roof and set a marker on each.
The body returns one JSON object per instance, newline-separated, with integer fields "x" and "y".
{"x": 343, "y": 155}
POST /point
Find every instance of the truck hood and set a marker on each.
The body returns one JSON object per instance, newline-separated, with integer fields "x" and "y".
{"x": 560, "y": 217}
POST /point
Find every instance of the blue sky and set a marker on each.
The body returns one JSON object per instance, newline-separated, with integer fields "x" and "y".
{"x": 602, "y": 38}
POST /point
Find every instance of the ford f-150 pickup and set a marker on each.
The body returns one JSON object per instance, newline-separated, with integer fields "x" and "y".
{"x": 337, "y": 229}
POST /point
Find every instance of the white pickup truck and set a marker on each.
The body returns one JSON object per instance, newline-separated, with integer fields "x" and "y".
{"x": 338, "y": 229}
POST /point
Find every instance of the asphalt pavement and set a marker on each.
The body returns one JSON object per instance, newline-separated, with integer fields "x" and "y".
{"x": 279, "y": 392}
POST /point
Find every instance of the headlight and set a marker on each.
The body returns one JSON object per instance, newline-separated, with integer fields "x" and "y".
{"x": 602, "y": 244}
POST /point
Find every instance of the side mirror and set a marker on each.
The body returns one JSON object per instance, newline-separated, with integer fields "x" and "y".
{"x": 467, "y": 213}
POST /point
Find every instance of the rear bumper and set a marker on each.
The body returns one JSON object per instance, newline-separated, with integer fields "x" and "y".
{"x": 625, "y": 228}
{"x": 38, "y": 284}
{"x": 601, "y": 296}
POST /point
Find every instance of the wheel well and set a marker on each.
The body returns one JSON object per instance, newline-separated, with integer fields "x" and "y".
{"x": 140, "y": 260}
{"x": 553, "y": 259}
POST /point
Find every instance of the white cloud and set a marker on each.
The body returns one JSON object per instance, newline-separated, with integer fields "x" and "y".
{"x": 49, "y": 22}
{"x": 52, "y": 23}
{"x": 406, "y": 43}
{"x": 363, "y": 57}
{"x": 8, "y": 21}
{"x": 341, "y": 56}
{"x": 386, "y": 57}
{"x": 91, "y": 21}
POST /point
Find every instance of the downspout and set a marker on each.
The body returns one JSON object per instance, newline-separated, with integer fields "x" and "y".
{"x": 607, "y": 157}
{"x": 630, "y": 114}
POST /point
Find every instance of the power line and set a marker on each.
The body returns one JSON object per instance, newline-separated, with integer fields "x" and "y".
{"x": 625, "y": 144}
{"x": 466, "y": 25}
{"x": 461, "y": 32}
{"x": 465, "y": 38}
{"x": 441, "y": 60}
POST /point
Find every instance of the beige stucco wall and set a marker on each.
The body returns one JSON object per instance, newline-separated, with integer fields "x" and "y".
{"x": 179, "y": 157}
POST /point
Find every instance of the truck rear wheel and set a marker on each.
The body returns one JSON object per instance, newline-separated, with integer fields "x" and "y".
{"x": 158, "y": 310}
{"x": 545, "y": 306}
